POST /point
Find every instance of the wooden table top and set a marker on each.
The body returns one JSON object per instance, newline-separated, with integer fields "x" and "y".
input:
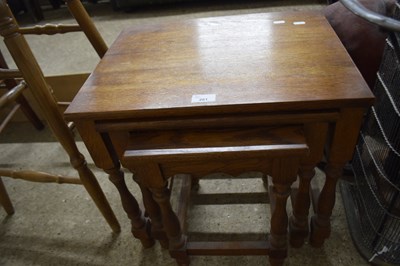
{"x": 246, "y": 63}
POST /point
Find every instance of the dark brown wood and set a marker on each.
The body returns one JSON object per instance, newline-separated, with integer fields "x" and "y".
{"x": 283, "y": 173}
{"x": 276, "y": 138}
{"x": 214, "y": 248}
{"x": 170, "y": 222}
{"x": 316, "y": 134}
{"x": 292, "y": 77}
{"x": 184, "y": 198}
{"x": 340, "y": 152}
{"x": 5, "y": 199}
{"x": 143, "y": 148}
{"x": 169, "y": 218}
{"x": 214, "y": 121}
{"x": 280, "y": 148}
{"x": 154, "y": 213}
{"x": 255, "y": 73}
{"x": 104, "y": 156}
{"x": 140, "y": 226}
{"x": 230, "y": 198}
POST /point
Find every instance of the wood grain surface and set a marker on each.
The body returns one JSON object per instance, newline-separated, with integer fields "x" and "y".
{"x": 251, "y": 63}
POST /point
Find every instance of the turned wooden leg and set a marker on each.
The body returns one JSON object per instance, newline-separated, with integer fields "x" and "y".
{"x": 284, "y": 172}
{"x": 320, "y": 222}
{"x": 298, "y": 222}
{"x": 177, "y": 241}
{"x": 41, "y": 91}
{"x": 140, "y": 227}
{"x": 316, "y": 134}
{"x": 5, "y": 199}
{"x": 153, "y": 210}
{"x": 344, "y": 139}
{"x": 279, "y": 223}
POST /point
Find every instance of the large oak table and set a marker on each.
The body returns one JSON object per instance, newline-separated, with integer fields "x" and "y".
{"x": 240, "y": 71}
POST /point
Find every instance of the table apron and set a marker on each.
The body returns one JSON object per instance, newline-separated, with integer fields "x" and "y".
{"x": 218, "y": 121}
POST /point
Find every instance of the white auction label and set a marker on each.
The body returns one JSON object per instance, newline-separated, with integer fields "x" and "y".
{"x": 203, "y": 98}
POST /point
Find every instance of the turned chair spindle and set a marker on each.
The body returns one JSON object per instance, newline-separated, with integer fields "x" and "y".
{"x": 33, "y": 79}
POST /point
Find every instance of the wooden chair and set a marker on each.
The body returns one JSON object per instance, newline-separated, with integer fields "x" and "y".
{"x": 30, "y": 72}
{"x": 156, "y": 156}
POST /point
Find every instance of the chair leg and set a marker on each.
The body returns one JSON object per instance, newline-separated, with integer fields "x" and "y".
{"x": 92, "y": 186}
{"x": 139, "y": 225}
{"x": 33, "y": 76}
{"x": 5, "y": 199}
{"x": 24, "y": 105}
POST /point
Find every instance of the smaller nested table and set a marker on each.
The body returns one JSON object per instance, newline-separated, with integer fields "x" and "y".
{"x": 156, "y": 156}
